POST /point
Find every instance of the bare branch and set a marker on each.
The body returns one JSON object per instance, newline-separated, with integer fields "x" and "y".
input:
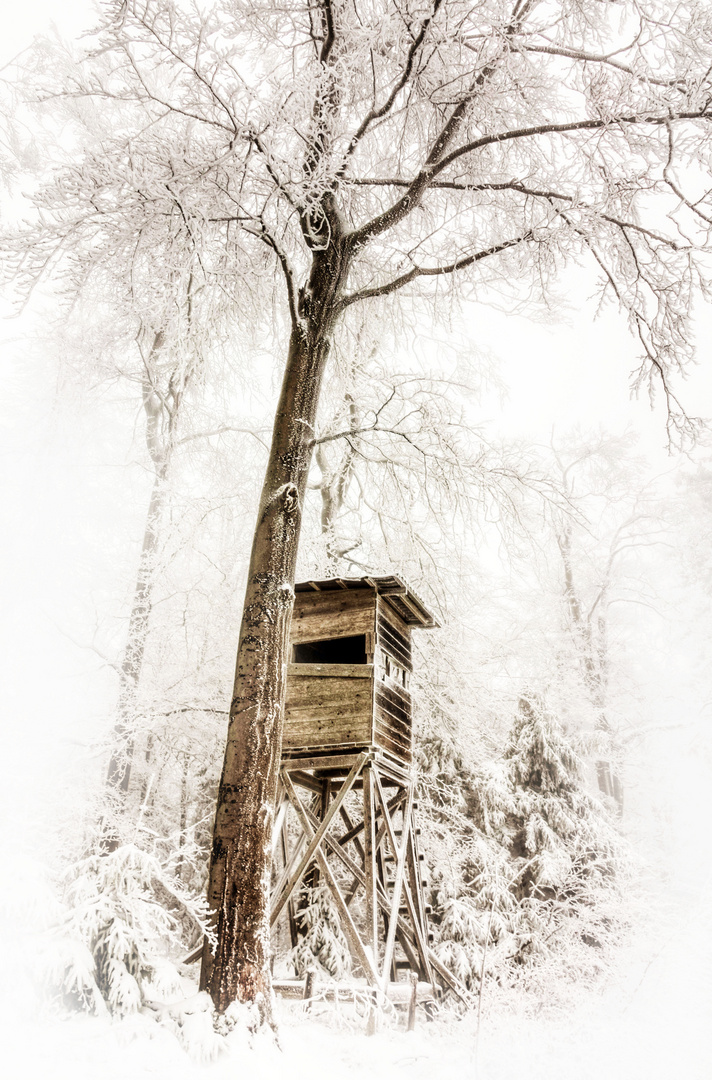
{"x": 434, "y": 166}
{"x": 524, "y": 189}
{"x": 376, "y": 113}
{"x": 601, "y": 58}
{"x": 434, "y": 271}
{"x": 222, "y": 430}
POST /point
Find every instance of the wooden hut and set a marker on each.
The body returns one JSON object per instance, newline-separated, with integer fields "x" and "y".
{"x": 348, "y": 685}
{"x": 346, "y": 806}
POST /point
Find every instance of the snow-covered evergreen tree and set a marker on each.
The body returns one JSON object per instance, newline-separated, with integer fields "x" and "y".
{"x": 123, "y": 910}
{"x": 525, "y": 859}
{"x": 323, "y": 948}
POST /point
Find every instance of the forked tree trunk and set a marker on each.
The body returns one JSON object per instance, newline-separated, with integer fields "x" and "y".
{"x": 238, "y": 887}
{"x": 334, "y": 487}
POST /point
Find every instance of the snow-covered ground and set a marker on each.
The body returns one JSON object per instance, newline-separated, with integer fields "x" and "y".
{"x": 650, "y": 1020}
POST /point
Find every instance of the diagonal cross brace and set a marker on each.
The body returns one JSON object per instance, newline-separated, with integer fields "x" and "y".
{"x": 348, "y": 923}
{"x": 417, "y": 927}
{"x": 291, "y": 860}
{"x": 316, "y": 837}
{"x": 356, "y": 829}
{"x": 397, "y": 889}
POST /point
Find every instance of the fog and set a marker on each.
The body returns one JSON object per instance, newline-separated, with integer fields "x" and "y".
{"x": 75, "y": 490}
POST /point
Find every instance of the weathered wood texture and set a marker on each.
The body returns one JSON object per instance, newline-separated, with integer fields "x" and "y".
{"x": 393, "y": 634}
{"x": 393, "y": 729}
{"x": 328, "y": 705}
{"x": 350, "y": 705}
{"x": 321, "y": 615}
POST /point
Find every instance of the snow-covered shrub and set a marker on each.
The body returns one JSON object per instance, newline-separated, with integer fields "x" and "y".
{"x": 323, "y": 947}
{"x": 122, "y": 912}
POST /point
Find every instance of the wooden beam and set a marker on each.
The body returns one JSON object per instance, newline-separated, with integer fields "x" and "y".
{"x": 329, "y": 671}
{"x": 333, "y": 761}
{"x": 412, "y": 607}
{"x": 306, "y": 780}
{"x": 347, "y": 922}
{"x": 349, "y": 823}
{"x": 293, "y": 930}
{"x": 453, "y": 982}
{"x": 369, "y": 863}
{"x": 397, "y": 889}
{"x": 313, "y": 844}
{"x": 288, "y": 870}
{"x": 416, "y": 882}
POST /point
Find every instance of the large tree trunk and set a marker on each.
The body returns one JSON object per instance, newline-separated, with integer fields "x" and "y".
{"x": 238, "y": 888}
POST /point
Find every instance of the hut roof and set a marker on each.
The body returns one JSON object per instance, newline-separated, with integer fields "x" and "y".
{"x": 392, "y": 588}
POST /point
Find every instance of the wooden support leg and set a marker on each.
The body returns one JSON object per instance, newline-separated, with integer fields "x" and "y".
{"x": 413, "y": 1000}
{"x": 372, "y": 1015}
{"x": 401, "y": 857}
{"x": 382, "y": 887}
{"x": 416, "y": 892}
{"x": 369, "y": 859}
{"x": 293, "y": 933}
{"x": 308, "y": 989}
{"x": 362, "y": 954}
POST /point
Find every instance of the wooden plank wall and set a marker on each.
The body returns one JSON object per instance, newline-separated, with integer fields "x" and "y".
{"x": 319, "y": 616}
{"x": 393, "y": 635}
{"x": 328, "y": 705}
{"x": 393, "y": 720}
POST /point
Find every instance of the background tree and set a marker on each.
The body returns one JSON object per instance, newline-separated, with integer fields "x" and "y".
{"x": 619, "y": 516}
{"x": 365, "y": 153}
{"x": 527, "y": 864}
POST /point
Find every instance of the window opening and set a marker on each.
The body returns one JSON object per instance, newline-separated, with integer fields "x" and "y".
{"x": 345, "y": 650}
{"x": 390, "y": 670}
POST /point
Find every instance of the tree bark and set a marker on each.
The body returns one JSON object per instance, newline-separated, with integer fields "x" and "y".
{"x": 238, "y": 887}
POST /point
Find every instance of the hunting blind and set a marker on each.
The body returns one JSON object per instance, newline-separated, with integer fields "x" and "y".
{"x": 345, "y": 810}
